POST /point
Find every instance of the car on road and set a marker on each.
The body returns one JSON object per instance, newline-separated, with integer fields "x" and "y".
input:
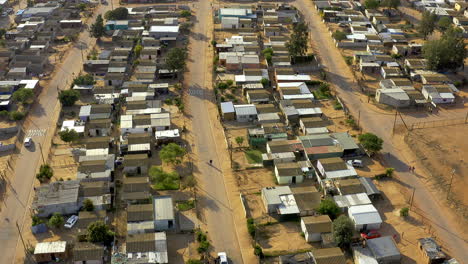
{"x": 71, "y": 221}
{"x": 370, "y": 234}
{"x": 28, "y": 142}
{"x": 356, "y": 163}
{"x": 222, "y": 258}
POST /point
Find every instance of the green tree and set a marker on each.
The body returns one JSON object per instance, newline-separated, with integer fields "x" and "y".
{"x": 69, "y": 135}
{"x": 176, "y": 59}
{"x": 446, "y": 53}
{"x": 404, "y": 212}
{"x": 329, "y": 207}
{"x": 185, "y": 13}
{"x": 2, "y": 32}
{"x": 265, "y": 82}
{"x": 45, "y": 173}
{"x": 81, "y": 6}
{"x": 88, "y": 205}
{"x": 164, "y": 180}
{"x": 194, "y": 261}
{"x": 56, "y": 220}
{"x": 370, "y": 142}
{"x": 342, "y": 230}
{"x": 339, "y": 35}
{"x": 172, "y": 153}
{"x": 68, "y": 97}
{"x": 86, "y": 79}
{"x": 298, "y": 41}
{"x": 119, "y": 13}
{"x": 97, "y": 29}
{"x": 239, "y": 140}
{"x": 99, "y": 232}
{"x": 23, "y": 96}
{"x": 189, "y": 182}
{"x": 16, "y": 115}
{"x": 391, "y": 3}
{"x": 371, "y": 4}
{"x": 427, "y": 24}
{"x": 268, "y": 54}
{"x": 444, "y": 23}
{"x": 137, "y": 50}
{"x": 389, "y": 172}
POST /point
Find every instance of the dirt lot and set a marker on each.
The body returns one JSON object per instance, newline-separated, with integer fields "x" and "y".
{"x": 272, "y": 238}
{"x": 443, "y": 150}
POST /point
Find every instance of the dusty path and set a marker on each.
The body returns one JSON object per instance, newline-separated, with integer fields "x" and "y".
{"x": 381, "y": 123}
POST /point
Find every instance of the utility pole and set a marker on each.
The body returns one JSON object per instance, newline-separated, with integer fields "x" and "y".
{"x": 42, "y": 154}
{"x": 359, "y": 120}
{"x": 394, "y": 122}
{"x": 22, "y": 241}
{"x": 412, "y": 198}
{"x": 450, "y": 184}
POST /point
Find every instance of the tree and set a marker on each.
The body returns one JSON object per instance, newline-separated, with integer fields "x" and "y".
{"x": 342, "y": 229}
{"x": 68, "y": 97}
{"x": 2, "y": 32}
{"x": 97, "y": 29}
{"x": 99, "y": 232}
{"x": 297, "y": 43}
{"x": 24, "y": 96}
{"x": 329, "y": 207}
{"x": 444, "y": 23}
{"x": 389, "y": 172}
{"x": 339, "y": 35}
{"x": 370, "y": 142}
{"x": 185, "y": 13}
{"x": 268, "y": 54}
{"x": 427, "y": 24}
{"x": 45, "y": 173}
{"x": 391, "y": 3}
{"x": 446, "y": 53}
{"x": 239, "y": 140}
{"x": 56, "y": 220}
{"x": 88, "y": 205}
{"x": 265, "y": 82}
{"x": 82, "y": 6}
{"x": 86, "y": 79}
{"x": 371, "y": 4}
{"x": 189, "y": 182}
{"x": 119, "y": 13}
{"x": 69, "y": 135}
{"x": 164, "y": 180}
{"x": 404, "y": 212}
{"x": 172, "y": 153}
{"x": 176, "y": 59}
{"x": 16, "y": 115}
{"x": 137, "y": 50}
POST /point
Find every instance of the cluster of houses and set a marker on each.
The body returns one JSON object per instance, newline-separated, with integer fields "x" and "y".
{"x": 383, "y": 51}
{"x": 131, "y": 95}
{"x": 25, "y": 52}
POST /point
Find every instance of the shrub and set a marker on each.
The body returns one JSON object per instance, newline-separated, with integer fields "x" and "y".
{"x": 87, "y": 79}
{"x": 99, "y": 232}
{"x": 265, "y": 82}
{"x": 229, "y": 82}
{"x": 389, "y": 172}
{"x": 339, "y": 35}
{"x": 258, "y": 251}
{"x": 36, "y": 220}
{"x": 348, "y": 60}
{"x": 69, "y": 135}
{"x": 404, "y": 212}
{"x": 56, "y": 220}
{"x": 251, "y": 227}
{"x": 329, "y": 207}
{"x": 24, "y": 96}
{"x": 68, "y": 97}
{"x": 16, "y": 115}
{"x": 88, "y": 205}
{"x": 185, "y": 13}
{"x": 222, "y": 86}
{"x": 370, "y": 142}
{"x": 45, "y": 173}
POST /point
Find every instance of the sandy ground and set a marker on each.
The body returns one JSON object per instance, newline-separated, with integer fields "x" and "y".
{"x": 443, "y": 151}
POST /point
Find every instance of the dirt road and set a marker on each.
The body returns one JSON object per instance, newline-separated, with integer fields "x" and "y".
{"x": 381, "y": 123}
{"x": 42, "y": 117}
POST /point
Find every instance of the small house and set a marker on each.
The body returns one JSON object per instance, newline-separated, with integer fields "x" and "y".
{"x": 50, "y": 251}
{"x": 135, "y": 164}
{"x": 269, "y": 118}
{"x": 228, "y": 112}
{"x": 334, "y": 168}
{"x": 136, "y": 184}
{"x": 438, "y": 94}
{"x": 314, "y": 226}
{"x": 289, "y": 173}
{"x": 260, "y": 96}
{"x": 57, "y": 197}
{"x": 384, "y": 250}
{"x": 246, "y": 113}
{"x": 164, "y": 32}
{"x": 313, "y": 125}
{"x": 395, "y": 97}
{"x": 365, "y": 217}
{"x": 99, "y": 127}
{"x": 431, "y": 251}
{"x": 328, "y": 255}
{"x": 388, "y": 72}
{"x": 279, "y": 200}
{"x": 163, "y": 213}
{"x": 346, "y": 201}
{"x": 88, "y": 253}
{"x": 307, "y": 198}
{"x": 85, "y": 218}
{"x": 147, "y": 248}
{"x": 230, "y": 23}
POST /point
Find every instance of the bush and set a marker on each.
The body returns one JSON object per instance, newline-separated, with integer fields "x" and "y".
{"x": 265, "y": 82}
{"x": 68, "y": 97}
{"x": 185, "y": 13}
{"x": 251, "y": 227}
{"x": 164, "y": 180}
{"x": 24, "y": 96}
{"x": 313, "y": 82}
{"x": 339, "y": 35}
{"x": 36, "y": 220}
{"x": 16, "y": 115}
{"x": 45, "y": 173}
{"x": 172, "y": 153}
{"x": 229, "y": 82}
{"x": 99, "y": 232}
{"x": 68, "y": 135}
{"x": 258, "y": 251}
{"x": 87, "y": 79}
{"x": 88, "y": 205}
{"x": 404, "y": 212}
{"x": 56, "y": 220}
{"x": 202, "y": 239}
{"x": 119, "y": 13}
{"x": 389, "y": 172}
{"x": 329, "y": 207}
{"x": 194, "y": 261}
{"x": 222, "y": 86}
{"x": 370, "y": 142}
{"x": 348, "y": 60}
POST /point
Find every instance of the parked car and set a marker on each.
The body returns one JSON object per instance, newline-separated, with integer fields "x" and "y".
{"x": 28, "y": 142}
{"x": 71, "y": 221}
{"x": 370, "y": 234}
{"x": 356, "y": 163}
{"x": 222, "y": 258}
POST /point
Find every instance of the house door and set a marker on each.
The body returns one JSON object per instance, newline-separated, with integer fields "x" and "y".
{"x": 139, "y": 170}
{"x": 170, "y": 224}
{"x": 110, "y": 82}
{"x": 364, "y": 227}
{"x": 293, "y": 180}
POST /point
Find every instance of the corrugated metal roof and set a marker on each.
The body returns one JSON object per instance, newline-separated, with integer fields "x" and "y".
{"x": 50, "y": 247}
{"x": 351, "y": 199}
{"x": 163, "y": 208}
{"x": 245, "y": 109}
{"x": 364, "y": 214}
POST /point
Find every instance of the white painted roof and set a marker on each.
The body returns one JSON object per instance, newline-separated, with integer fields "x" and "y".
{"x": 164, "y": 29}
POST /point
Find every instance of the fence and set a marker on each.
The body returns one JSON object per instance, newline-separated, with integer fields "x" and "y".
{"x": 438, "y": 123}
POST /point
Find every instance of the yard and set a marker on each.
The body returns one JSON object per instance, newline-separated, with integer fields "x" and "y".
{"x": 254, "y": 156}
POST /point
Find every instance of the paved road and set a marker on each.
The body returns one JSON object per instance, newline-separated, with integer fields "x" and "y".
{"x": 42, "y": 117}
{"x": 213, "y": 194}
{"x": 381, "y": 124}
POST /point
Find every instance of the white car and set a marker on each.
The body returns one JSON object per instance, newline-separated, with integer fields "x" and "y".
{"x": 356, "y": 163}
{"x": 27, "y": 142}
{"x": 222, "y": 258}
{"x": 71, "y": 221}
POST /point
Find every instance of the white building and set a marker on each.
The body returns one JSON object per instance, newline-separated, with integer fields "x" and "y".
{"x": 365, "y": 217}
